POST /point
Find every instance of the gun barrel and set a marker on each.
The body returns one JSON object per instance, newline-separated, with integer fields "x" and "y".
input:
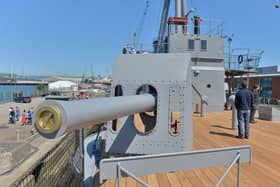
{"x": 54, "y": 118}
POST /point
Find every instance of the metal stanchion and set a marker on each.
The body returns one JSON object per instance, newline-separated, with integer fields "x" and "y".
{"x": 17, "y": 132}
{"x": 234, "y": 112}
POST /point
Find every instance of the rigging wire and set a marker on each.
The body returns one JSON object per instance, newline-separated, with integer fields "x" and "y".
{"x": 139, "y": 29}
{"x": 158, "y": 16}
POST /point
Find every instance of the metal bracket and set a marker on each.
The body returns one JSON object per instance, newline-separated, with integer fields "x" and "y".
{"x": 235, "y": 160}
{"x": 121, "y": 169}
{"x": 159, "y": 163}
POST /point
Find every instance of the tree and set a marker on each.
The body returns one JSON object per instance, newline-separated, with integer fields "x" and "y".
{"x": 41, "y": 88}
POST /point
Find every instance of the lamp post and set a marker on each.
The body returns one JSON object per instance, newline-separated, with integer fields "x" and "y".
{"x": 190, "y": 11}
{"x": 229, "y": 40}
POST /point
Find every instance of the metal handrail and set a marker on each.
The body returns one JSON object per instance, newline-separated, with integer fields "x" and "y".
{"x": 207, "y": 27}
{"x": 202, "y": 100}
{"x": 235, "y": 160}
{"x": 121, "y": 169}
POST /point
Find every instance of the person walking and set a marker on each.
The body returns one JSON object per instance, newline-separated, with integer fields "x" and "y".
{"x": 255, "y": 107}
{"x": 17, "y": 113}
{"x": 243, "y": 104}
{"x": 11, "y": 115}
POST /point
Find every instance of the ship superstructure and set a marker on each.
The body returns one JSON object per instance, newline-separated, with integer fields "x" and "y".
{"x": 204, "y": 41}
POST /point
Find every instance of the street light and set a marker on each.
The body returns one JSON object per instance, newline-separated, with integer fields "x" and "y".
{"x": 229, "y": 40}
{"x": 276, "y": 6}
{"x": 190, "y": 11}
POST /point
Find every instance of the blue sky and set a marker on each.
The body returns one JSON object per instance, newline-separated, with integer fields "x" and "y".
{"x": 64, "y": 37}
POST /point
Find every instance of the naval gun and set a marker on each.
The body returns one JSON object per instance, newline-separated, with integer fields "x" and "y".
{"x": 149, "y": 104}
{"x": 54, "y": 118}
{"x": 154, "y": 90}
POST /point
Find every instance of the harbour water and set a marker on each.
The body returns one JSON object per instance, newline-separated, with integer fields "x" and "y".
{"x": 8, "y": 92}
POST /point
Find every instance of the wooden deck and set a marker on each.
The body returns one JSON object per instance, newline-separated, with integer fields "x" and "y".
{"x": 214, "y": 131}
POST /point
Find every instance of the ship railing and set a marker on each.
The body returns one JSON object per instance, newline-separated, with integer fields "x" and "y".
{"x": 206, "y": 27}
{"x": 236, "y": 160}
{"x": 242, "y": 59}
{"x": 121, "y": 170}
{"x": 132, "y": 166}
{"x": 54, "y": 168}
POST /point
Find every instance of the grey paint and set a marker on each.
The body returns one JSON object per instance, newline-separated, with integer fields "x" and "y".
{"x": 207, "y": 66}
{"x": 178, "y": 8}
{"x": 234, "y": 121}
{"x": 170, "y": 75}
{"x": 148, "y": 164}
{"x": 178, "y": 43}
{"x": 89, "y": 160}
{"x": 163, "y": 23}
{"x": 213, "y": 77}
{"x": 81, "y": 113}
{"x": 184, "y": 8}
{"x": 178, "y": 13}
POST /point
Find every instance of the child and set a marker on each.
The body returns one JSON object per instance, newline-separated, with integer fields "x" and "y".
{"x": 29, "y": 117}
{"x": 23, "y": 119}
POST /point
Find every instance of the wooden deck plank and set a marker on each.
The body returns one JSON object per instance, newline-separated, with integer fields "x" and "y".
{"x": 184, "y": 181}
{"x": 152, "y": 180}
{"x": 214, "y": 131}
{"x": 173, "y": 179}
{"x": 204, "y": 178}
{"x": 144, "y": 178}
{"x": 109, "y": 183}
{"x": 163, "y": 180}
{"x": 193, "y": 178}
{"x": 130, "y": 182}
{"x": 212, "y": 177}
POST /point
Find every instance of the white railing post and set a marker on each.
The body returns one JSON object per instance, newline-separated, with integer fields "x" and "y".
{"x": 235, "y": 160}
{"x": 119, "y": 175}
{"x": 238, "y": 170}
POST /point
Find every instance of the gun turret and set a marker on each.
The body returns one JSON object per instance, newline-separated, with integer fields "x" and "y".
{"x": 150, "y": 104}
{"x": 54, "y": 118}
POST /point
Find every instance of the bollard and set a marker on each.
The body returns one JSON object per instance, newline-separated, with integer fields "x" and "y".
{"x": 17, "y": 132}
{"x": 234, "y": 112}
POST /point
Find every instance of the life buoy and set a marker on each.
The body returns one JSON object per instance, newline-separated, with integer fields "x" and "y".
{"x": 240, "y": 59}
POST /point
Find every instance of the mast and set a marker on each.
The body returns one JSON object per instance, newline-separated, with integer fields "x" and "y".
{"x": 184, "y": 8}
{"x": 178, "y": 8}
{"x": 163, "y": 21}
{"x": 180, "y": 11}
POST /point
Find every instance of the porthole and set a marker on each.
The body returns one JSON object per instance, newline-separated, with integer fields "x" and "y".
{"x": 145, "y": 122}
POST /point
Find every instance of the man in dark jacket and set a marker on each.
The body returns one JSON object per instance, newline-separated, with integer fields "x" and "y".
{"x": 243, "y": 104}
{"x": 255, "y": 103}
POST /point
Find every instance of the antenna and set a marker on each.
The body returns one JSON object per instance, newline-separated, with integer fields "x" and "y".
{"x": 91, "y": 72}
{"x": 83, "y": 76}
